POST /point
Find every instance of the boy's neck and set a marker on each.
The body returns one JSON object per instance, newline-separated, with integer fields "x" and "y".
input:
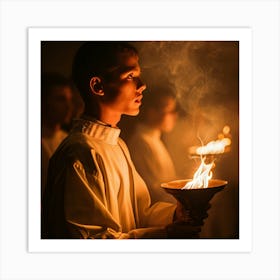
{"x": 106, "y": 115}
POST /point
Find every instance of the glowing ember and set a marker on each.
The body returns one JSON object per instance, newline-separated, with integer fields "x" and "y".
{"x": 201, "y": 176}
{"x": 226, "y": 129}
{"x": 216, "y": 146}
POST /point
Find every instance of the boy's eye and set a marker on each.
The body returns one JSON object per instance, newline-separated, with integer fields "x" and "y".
{"x": 130, "y": 77}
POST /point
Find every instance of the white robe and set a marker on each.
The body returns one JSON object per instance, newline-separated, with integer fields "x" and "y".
{"x": 94, "y": 191}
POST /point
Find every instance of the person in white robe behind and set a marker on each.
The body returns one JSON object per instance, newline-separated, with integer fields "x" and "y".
{"x": 149, "y": 154}
{"x": 56, "y": 99}
{"x": 93, "y": 189}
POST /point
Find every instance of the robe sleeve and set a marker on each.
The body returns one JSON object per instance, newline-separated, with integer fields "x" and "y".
{"x": 87, "y": 215}
{"x": 85, "y": 206}
{"x": 157, "y": 214}
{"x": 76, "y": 205}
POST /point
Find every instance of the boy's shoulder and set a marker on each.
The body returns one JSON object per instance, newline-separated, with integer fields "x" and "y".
{"x": 73, "y": 147}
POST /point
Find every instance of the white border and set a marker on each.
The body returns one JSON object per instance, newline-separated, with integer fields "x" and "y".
{"x": 243, "y": 35}
{"x": 262, "y": 16}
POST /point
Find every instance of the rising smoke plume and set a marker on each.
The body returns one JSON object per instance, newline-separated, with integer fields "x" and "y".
{"x": 205, "y": 75}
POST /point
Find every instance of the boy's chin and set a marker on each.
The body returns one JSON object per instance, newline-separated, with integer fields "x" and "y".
{"x": 134, "y": 113}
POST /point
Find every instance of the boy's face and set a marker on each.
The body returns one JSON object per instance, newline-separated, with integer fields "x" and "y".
{"x": 123, "y": 92}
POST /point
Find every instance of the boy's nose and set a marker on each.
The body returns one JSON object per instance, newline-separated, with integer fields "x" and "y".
{"x": 140, "y": 86}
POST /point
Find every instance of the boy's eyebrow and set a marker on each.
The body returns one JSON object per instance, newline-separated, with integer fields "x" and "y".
{"x": 125, "y": 69}
{"x": 129, "y": 68}
{"x": 132, "y": 68}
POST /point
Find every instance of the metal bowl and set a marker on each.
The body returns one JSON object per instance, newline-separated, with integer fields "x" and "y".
{"x": 194, "y": 200}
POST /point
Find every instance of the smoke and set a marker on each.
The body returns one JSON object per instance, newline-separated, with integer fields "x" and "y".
{"x": 205, "y": 75}
{"x": 206, "y": 78}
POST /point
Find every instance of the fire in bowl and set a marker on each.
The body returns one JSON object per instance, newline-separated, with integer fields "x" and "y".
{"x": 196, "y": 200}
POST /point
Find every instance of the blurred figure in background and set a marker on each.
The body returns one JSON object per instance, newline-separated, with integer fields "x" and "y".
{"x": 56, "y": 110}
{"x": 149, "y": 154}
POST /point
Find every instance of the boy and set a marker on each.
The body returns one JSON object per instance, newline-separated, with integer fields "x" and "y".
{"x": 93, "y": 189}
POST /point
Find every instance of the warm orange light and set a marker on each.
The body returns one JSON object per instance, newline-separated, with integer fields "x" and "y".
{"x": 204, "y": 174}
{"x": 216, "y": 146}
{"x": 226, "y": 130}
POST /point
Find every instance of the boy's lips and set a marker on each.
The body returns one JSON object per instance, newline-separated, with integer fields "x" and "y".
{"x": 138, "y": 99}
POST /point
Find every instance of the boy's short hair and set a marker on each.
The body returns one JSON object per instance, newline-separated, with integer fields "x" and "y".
{"x": 96, "y": 58}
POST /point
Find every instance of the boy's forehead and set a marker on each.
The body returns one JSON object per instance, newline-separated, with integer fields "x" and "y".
{"x": 126, "y": 63}
{"x": 128, "y": 59}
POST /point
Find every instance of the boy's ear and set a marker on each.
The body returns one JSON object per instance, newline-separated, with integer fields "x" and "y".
{"x": 96, "y": 86}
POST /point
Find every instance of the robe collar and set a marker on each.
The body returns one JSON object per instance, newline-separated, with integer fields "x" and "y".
{"x": 97, "y": 130}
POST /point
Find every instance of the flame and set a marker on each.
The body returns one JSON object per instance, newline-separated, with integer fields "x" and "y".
{"x": 204, "y": 174}
{"x": 201, "y": 176}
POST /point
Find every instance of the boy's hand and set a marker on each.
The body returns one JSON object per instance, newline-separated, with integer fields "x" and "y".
{"x": 196, "y": 218}
{"x": 181, "y": 215}
{"x": 184, "y": 226}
